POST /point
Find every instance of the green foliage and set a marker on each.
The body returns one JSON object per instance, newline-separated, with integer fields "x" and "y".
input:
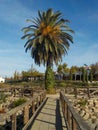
{"x": 70, "y": 75}
{"x": 91, "y": 76}
{"x": 48, "y": 37}
{"x": 49, "y": 80}
{"x": 31, "y": 73}
{"x": 16, "y": 75}
{"x": 69, "y": 83}
{"x": 60, "y": 68}
{"x": 84, "y": 75}
{"x": 18, "y": 102}
{"x": 63, "y": 68}
{"x": 82, "y": 102}
{"x": 62, "y": 84}
{"x": 2, "y": 97}
{"x": 74, "y": 69}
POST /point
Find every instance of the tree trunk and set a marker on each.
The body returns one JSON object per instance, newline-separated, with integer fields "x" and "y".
{"x": 49, "y": 78}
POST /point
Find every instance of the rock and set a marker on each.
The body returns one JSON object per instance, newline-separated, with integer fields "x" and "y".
{"x": 82, "y": 113}
{"x": 94, "y": 118}
{"x": 96, "y": 104}
{"x": 90, "y": 102}
{"x": 86, "y": 116}
{"x": 96, "y": 110}
{"x": 2, "y": 122}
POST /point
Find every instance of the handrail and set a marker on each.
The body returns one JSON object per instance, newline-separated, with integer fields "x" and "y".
{"x": 74, "y": 121}
{"x": 76, "y": 90}
{"x": 25, "y": 108}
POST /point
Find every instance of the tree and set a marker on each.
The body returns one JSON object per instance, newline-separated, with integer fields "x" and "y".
{"x": 60, "y": 68}
{"x": 84, "y": 74}
{"x": 81, "y": 72}
{"x": 91, "y": 76}
{"x": 16, "y": 75}
{"x": 60, "y": 71}
{"x": 71, "y": 75}
{"x": 73, "y": 70}
{"x": 48, "y": 38}
{"x": 94, "y": 69}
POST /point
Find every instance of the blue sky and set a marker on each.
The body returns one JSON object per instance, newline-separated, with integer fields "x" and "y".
{"x": 83, "y": 16}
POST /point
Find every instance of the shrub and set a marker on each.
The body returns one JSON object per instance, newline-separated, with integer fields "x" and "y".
{"x": 18, "y": 102}
{"x": 82, "y": 102}
{"x": 2, "y": 97}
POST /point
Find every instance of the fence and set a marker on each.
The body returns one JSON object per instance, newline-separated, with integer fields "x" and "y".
{"x": 73, "y": 119}
{"x": 21, "y": 114}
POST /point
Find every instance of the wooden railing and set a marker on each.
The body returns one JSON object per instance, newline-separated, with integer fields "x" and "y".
{"x": 73, "y": 119}
{"x": 26, "y": 110}
{"x": 82, "y": 91}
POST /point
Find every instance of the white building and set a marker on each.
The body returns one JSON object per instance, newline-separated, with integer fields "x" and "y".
{"x": 2, "y": 80}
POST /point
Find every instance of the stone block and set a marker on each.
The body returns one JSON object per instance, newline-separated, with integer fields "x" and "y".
{"x": 86, "y": 116}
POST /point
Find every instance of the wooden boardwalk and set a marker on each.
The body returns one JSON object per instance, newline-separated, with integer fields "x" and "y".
{"x": 50, "y": 117}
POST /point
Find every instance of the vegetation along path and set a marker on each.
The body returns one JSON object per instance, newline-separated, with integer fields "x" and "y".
{"x": 50, "y": 117}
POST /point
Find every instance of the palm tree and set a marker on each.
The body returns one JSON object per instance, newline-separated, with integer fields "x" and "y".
{"x": 48, "y": 38}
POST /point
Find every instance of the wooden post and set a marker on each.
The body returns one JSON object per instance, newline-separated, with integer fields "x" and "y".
{"x": 75, "y": 92}
{"x": 65, "y": 113}
{"x": 26, "y": 114}
{"x": 14, "y": 121}
{"x": 40, "y": 99}
{"x": 88, "y": 92}
{"x": 42, "y": 96}
{"x": 74, "y": 126}
{"x": 37, "y": 101}
{"x": 63, "y": 105}
{"x": 22, "y": 92}
{"x": 33, "y": 107}
{"x": 68, "y": 117}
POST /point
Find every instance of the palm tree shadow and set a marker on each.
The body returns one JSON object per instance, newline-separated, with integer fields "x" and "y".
{"x": 58, "y": 116}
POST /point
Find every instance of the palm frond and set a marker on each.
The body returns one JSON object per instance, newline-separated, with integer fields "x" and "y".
{"x": 48, "y": 37}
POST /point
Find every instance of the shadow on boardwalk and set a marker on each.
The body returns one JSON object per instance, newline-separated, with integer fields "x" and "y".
{"x": 50, "y": 117}
{"x": 58, "y": 116}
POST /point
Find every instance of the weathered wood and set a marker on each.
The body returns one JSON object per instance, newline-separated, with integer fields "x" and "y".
{"x": 26, "y": 114}
{"x": 13, "y": 118}
{"x": 74, "y": 125}
{"x": 75, "y": 92}
{"x": 37, "y": 102}
{"x": 25, "y": 108}
{"x": 68, "y": 118}
{"x": 87, "y": 91}
{"x": 77, "y": 121}
{"x": 33, "y": 107}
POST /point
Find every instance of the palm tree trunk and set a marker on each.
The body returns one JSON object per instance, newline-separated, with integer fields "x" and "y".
{"x": 49, "y": 77}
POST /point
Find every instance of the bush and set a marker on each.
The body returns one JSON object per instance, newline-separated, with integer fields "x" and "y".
{"x": 2, "y": 97}
{"x": 18, "y": 102}
{"x": 82, "y": 102}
